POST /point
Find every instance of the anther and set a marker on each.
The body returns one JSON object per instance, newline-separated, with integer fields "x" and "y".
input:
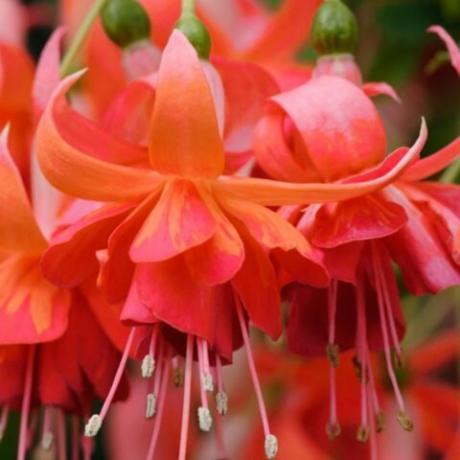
{"x": 397, "y": 358}
{"x": 404, "y": 420}
{"x": 333, "y": 430}
{"x": 178, "y": 377}
{"x": 150, "y": 405}
{"x": 204, "y": 418}
{"x": 222, "y": 402}
{"x": 271, "y": 446}
{"x": 148, "y": 366}
{"x": 379, "y": 421}
{"x": 358, "y": 368}
{"x": 362, "y": 434}
{"x": 207, "y": 381}
{"x": 47, "y": 440}
{"x": 332, "y": 353}
{"x": 93, "y": 425}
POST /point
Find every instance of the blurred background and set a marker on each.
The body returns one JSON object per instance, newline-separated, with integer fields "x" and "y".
{"x": 394, "y": 47}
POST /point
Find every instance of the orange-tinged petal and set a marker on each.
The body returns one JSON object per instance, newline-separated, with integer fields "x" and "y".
{"x": 184, "y": 136}
{"x": 82, "y": 175}
{"x": 179, "y": 221}
{"x": 18, "y": 228}
{"x": 274, "y": 193}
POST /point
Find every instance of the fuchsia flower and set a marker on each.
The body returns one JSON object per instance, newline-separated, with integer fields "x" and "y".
{"x": 328, "y": 130}
{"x": 185, "y": 247}
{"x": 52, "y": 338}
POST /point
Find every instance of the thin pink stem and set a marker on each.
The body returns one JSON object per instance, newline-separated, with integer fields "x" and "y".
{"x": 157, "y": 377}
{"x": 219, "y": 376}
{"x": 383, "y": 325}
{"x": 62, "y": 447}
{"x": 362, "y": 342}
{"x": 220, "y": 443}
{"x": 118, "y": 375}
{"x": 75, "y": 437}
{"x": 373, "y": 432}
{"x": 332, "y": 310}
{"x": 4, "y": 420}
{"x": 186, "y": 402}
{"x": 166, "y": 369}
{"x": 204, "y": 398}
{"x": 253, "y": 372}
{"x": 25, "y": 409}
{"x": 46, "y": 429}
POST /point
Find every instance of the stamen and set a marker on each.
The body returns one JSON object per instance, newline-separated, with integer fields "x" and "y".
{"x": 4, "y": 420}
{"x": 363, "y": 431}
{"x": 47, "y": 434}
{"x": 166, "y": 369}
{"x": 25, "y": 408}
{"x": 186, "y": 403}
{"x": 383, "y": 326}
{"x": 87, "y": 447}
{"x": 373, "y": 431}
{"x": 204, "y": 418}
{"x": 75, "y": 427}
{"x": 95, "y": 422}
{"x": 271, "y": 446}
{"x": 373, "y": 397}
{"x": 178, "y": 373}
{"x": 62, "y": 445}
{"x": 332, "y": 352}
{"x": 404, "y": 420}
{"x": 207, "y": 376}
{"x": 150, "y": 405}
{"x": 222, "y": 403}
{"x": 204, "y": 415}
{"x": 271, "y": 443}
{"x": 221, "y": 395}
{"x": 147, "y": 366}
{"x": 148, "y": 362}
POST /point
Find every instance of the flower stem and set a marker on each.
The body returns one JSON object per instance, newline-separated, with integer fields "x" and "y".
{"x": 80, "y": 36}
{"x": 188, "y": 8}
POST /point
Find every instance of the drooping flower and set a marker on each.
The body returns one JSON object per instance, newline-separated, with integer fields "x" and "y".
{"x": 328, "y": 130}
{"x": 183, "y": 246}
{"x": 48, "y": 335}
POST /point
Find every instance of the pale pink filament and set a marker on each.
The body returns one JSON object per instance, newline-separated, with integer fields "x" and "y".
{"x": 373, "y": 432}
{"x": 118, "y": 375}
{"x": 186, "y": 402}
{"x": 25, "y": 409}
{"x": 219, "y": 376}
{"x": 165, "y": 371}
{"x": 157, "y": 377}
{"x": 362, "y": 353}
{"x": 62, "y": 447}
{"x": 200, "y": 352}
{"x": 253, "y": 372}
{"x": 75, "y": 437}
{"x": 383, "y": 325}
{"x": 4, "y": 419}
{"x": 332, "y": 310}
{"x": 46, "y": 423}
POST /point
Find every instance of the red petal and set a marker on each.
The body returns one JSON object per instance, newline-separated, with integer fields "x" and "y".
{"x": 452, "y": 47}
{"x": 381, "y": 88}
{"x": 71, "y": 256}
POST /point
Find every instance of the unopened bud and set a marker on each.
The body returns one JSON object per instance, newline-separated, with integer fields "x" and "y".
{"x": 196, "y": 33}
{"x": 334, "y": 29}
{"x": 125, "y": 22}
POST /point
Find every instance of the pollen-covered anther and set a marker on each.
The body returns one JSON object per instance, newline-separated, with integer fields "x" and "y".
{"x": 150, "y": 405}
{"x": 333, "y": 430}
{"x": 148, "y": 366}
{"x": 2, "y": 433}
{"x": 204, "y": 418}
{"x": 271, "y": 446}
{"x": 93, "y": 425}
{"x": 222, "y": 402}
{"x": 47, "y": 440}
{"x": 362, "y": 435}
{"x": 379, "y": 422}
{"x": 333, "y": 354}
{"x": 178, "y": 377}
{"x": 207, "y": 381}
{"x": 358, "y": 368}
{"x": 404, "y": 420}
{"x": 397, "y": 358}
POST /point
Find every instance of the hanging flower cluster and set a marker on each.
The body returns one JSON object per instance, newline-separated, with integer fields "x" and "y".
{"x": 192, "y": 182}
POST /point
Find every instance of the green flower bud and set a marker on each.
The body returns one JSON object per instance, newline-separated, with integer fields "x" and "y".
{"x": 196, "y": 33}
{"x": 334, "y": 30}
{"x": 125, "y": 22}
